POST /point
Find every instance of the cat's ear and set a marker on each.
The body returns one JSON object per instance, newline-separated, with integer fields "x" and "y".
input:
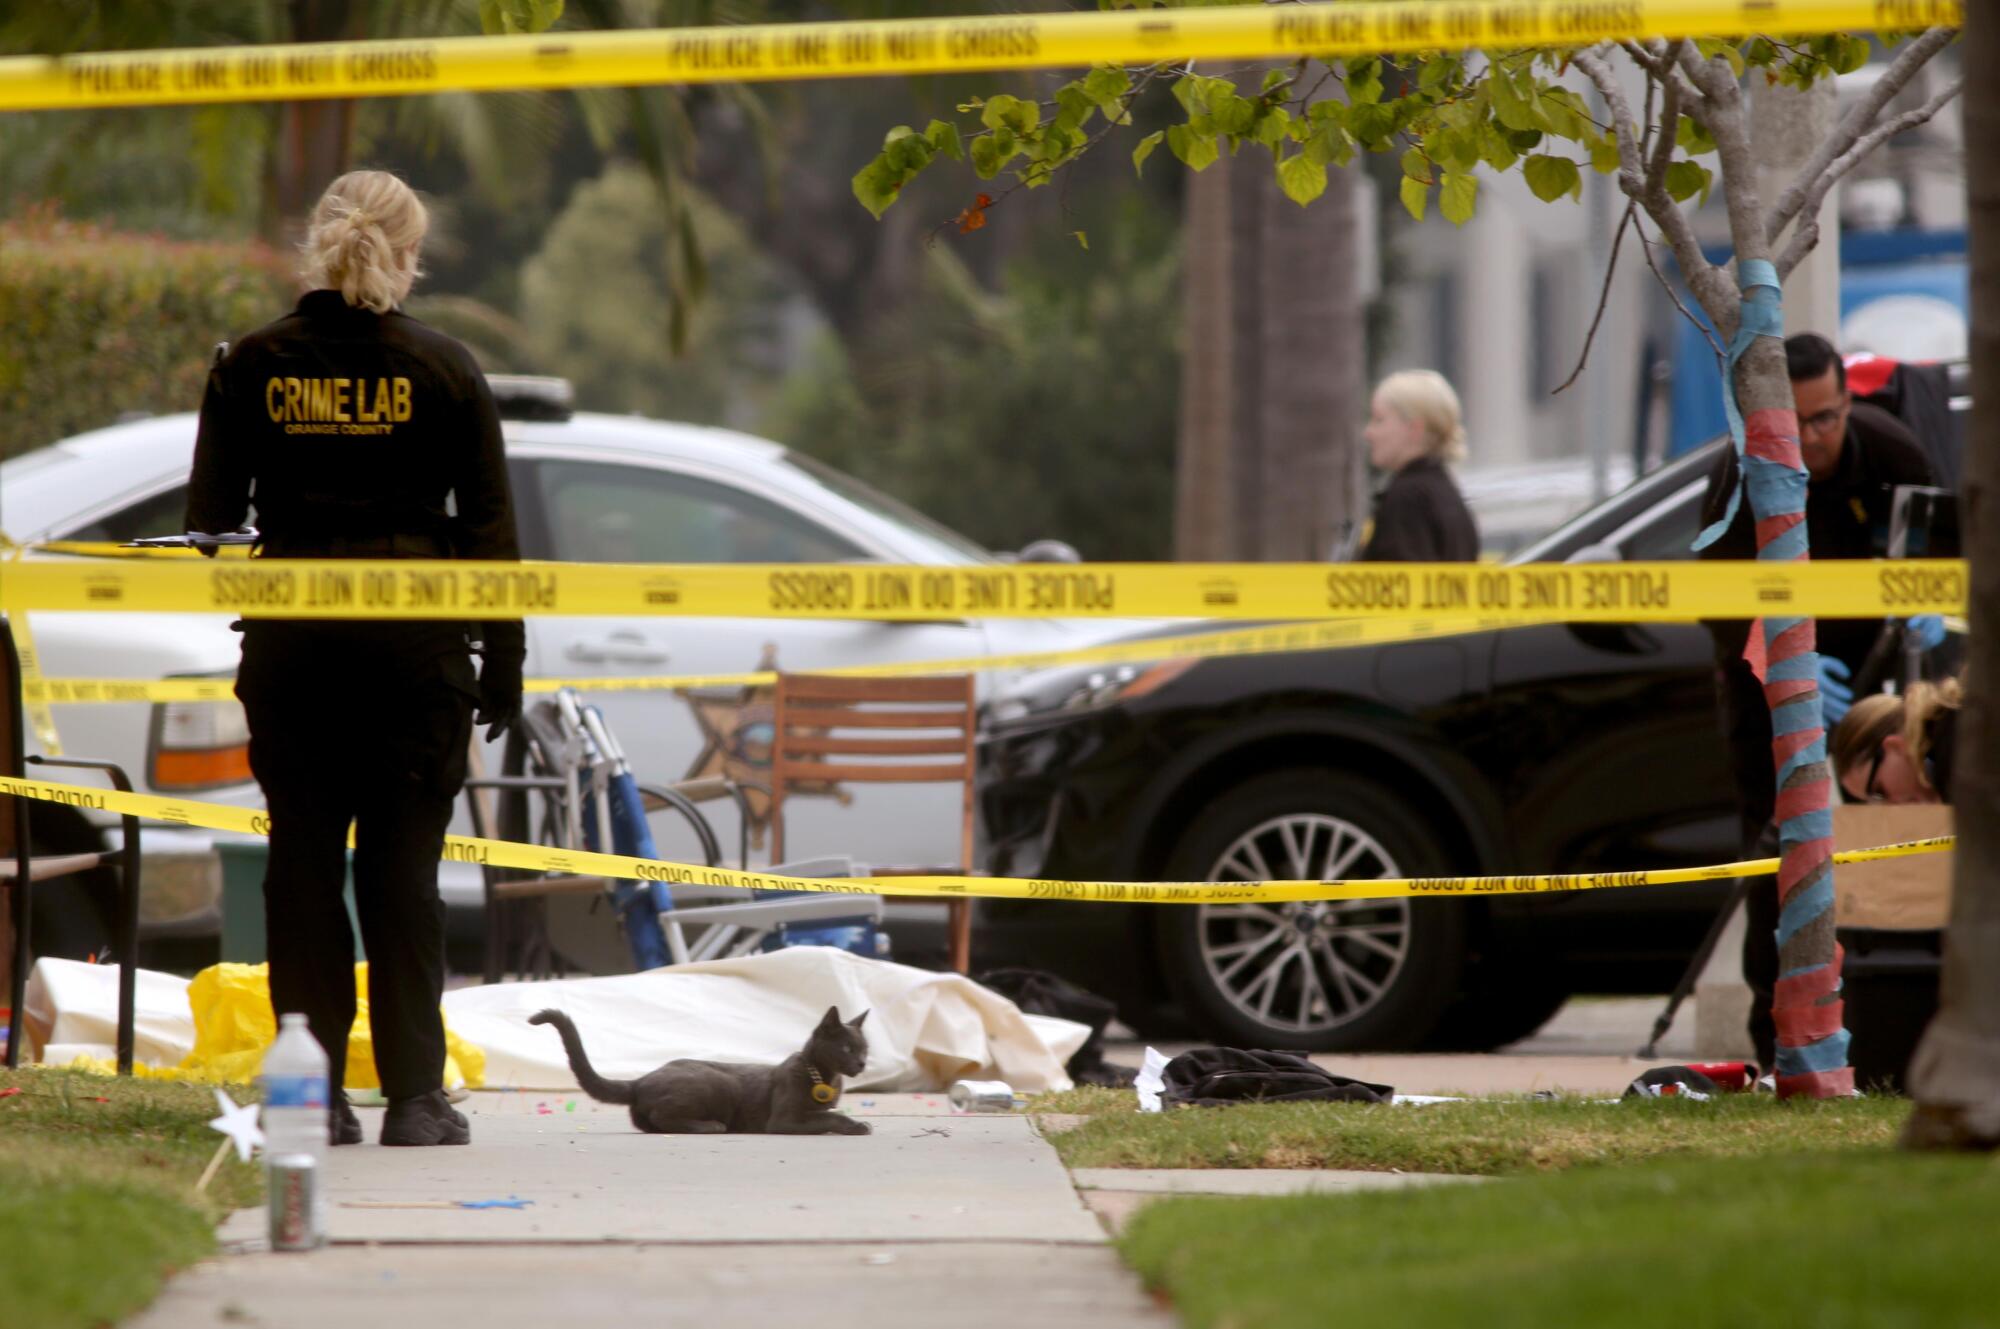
{"x": 855, "y": 1023}
{"x": 831, "y": 1020}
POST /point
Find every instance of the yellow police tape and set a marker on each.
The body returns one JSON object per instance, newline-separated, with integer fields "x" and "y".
{"x": 909, "y": 46}
{"x": 1275, "y": 639}
{"x": 512, "y": 854}
{"x": 1528, "y": 592}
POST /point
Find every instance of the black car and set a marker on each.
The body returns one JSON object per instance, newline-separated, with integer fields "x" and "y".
{"x": 1586, "y": 747}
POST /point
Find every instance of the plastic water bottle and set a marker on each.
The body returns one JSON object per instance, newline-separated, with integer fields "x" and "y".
{"x": 295, "y": 1135}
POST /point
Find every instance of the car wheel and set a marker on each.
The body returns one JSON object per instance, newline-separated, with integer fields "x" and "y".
{"x": 1501, "y": 1008}
{"x": 1324, "y": 976}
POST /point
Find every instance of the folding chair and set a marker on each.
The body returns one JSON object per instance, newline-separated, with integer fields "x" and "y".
{"x": 20, "y": 870}
{"x": 911, "y": 731}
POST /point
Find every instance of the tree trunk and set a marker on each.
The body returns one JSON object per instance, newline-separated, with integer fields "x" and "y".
{"x": 1955, "y": 1076}
{"x": 315, "y": 142}
{"x": 1273, "y": 364}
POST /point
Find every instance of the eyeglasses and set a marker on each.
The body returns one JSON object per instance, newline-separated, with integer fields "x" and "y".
{"x": 1870, "y": 793}
{"x": 1820, "y": 422}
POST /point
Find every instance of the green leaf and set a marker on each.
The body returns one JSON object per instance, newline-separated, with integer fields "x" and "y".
{"x": 1145, "y": 150}
{"x": 1302, "y": 179}
{"x": 1849, "y": 53}
{"x": 943, "y": 135}
{"x": 1328, "y": 145}
{"x": 1437, "y": 72}
{"x": 1005, "y": 112}
{"x": 1685, "y": 179}
{"x": 1457, "y": 196}
{"x": 1510, "y": 108}
{"x": 1552, "y": 177}
{"x": 1107, "y": 85}
{"x": 1457, "y": 149}
{"x": 1196, "y": 151}
{"x": 1081, "y": 238}
{"x": 1415, "y": 195}
{"x": 1495, "y": 146}
{"x": 1691, "y": 138}
{"x": 1235, "y": 115}
{"x": 1371, "y": 124}
{"x": 876, "y": 186}
{"x": 1364, "y": 80}
{"x": 1273, "y": 127}
{"x": 1604, "y": 158}
{"x": 1273, "y": 78}
{"x": 1565, "y": 114}
{"x": 512, "y": 16}
{"x": 1416, "y": 166}
{"x": 986, "y": 158}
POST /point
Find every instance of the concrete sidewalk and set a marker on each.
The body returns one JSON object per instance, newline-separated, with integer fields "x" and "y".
{"x": 934, "y": 1219}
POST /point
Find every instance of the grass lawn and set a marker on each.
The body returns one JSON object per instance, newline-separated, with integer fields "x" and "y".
{"x": 97, "y": 1202}
{"x": 1488, "y": 1136}
{"x": 1864, "y": 1237}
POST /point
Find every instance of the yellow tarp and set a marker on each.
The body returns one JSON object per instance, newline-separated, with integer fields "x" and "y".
{"x": 233, "y": 1025}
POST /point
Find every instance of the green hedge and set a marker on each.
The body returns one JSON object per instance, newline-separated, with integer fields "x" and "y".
{"x": 95, "y": 323}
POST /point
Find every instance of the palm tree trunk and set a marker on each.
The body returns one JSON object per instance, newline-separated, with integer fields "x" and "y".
{"x": 315, "y": 142}
{"x": 1272, "y": 368}
{"x": 1955, "y": 1076}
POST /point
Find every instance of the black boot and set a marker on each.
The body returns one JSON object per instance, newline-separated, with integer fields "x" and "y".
{"x": 425, "y": 1119}
{"x": 343, "y": 1126}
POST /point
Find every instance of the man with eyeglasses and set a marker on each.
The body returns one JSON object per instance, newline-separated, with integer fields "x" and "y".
{"x": 1855, "y": 455}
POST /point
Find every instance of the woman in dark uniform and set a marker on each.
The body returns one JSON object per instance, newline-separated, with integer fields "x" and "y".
{"x": 349, "y": 425}
{"x": 1413, "y": 430}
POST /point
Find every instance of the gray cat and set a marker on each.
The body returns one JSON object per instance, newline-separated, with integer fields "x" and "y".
{"x": 794, "y": 1097}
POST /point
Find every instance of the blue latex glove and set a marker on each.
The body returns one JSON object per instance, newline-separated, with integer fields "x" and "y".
{"x": 1928, "y": 629}
{"x": 1835, "y": 696}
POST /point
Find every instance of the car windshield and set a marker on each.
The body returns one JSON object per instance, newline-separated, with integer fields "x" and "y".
{"x": 1596, "y": 520}
{"x": 953, "y": 547}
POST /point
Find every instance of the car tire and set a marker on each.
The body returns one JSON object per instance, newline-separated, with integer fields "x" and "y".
{"x": 1350, "y": 974}
{"x": 1499, "y": 1007}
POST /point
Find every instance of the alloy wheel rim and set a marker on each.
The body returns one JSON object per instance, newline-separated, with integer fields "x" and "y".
{"x": 1304, "y": 967}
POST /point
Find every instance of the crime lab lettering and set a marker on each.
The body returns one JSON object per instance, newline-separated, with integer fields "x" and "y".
{"x": 338, "y": 405}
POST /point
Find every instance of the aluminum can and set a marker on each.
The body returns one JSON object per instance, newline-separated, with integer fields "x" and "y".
{"x": 982, "y": 1096}
{"x": 291, "y": 1184}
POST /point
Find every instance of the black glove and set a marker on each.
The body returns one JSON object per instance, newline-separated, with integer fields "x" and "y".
{"x": 499, "y": 694}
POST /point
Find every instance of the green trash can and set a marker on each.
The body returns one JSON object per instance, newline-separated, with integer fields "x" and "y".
{"x": 243, "y": 863}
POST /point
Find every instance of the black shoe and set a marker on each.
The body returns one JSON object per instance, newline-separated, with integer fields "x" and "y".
{"x": 425, "y": 1119}
{"x": 343, "y": 1125}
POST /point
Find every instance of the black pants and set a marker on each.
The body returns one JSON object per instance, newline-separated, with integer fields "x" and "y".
{"x": 1760, "y": 944}
{"x": 381, "y": 749}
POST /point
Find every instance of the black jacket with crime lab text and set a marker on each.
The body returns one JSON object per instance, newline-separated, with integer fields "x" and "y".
{"x": 348, "y": 430}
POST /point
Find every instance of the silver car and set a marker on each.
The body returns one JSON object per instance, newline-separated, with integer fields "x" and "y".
{"x": 587, "y": 488}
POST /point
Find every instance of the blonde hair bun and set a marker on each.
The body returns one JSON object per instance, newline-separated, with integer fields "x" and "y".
{"x": 1427, "y": 398}
{"x": 364, "y": 238}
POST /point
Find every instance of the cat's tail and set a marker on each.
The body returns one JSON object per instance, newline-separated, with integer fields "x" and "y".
{"x": 599, "y": 1088}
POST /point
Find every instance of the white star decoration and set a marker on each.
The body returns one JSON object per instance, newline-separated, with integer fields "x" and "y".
{"x": 239, "y": 1124}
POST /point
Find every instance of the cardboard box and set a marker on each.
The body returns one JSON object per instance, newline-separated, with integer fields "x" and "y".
{"x": 1912, "y": 892}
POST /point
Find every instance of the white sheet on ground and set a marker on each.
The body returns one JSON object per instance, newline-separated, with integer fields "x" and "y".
{"x": 924, "y": 1029}
{"x": 72, "y": 1011}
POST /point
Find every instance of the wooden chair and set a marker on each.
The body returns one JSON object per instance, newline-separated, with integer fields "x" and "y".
{"x": 20, "y": 870}
{"x": 924, "y": 726}
{"x": 543, "y": 804}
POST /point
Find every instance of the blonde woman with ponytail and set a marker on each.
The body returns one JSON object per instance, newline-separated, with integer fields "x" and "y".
{"x": 1413, "y": 430}
{"x": 360, "y": 433}
{"x": 1891, "y": 749}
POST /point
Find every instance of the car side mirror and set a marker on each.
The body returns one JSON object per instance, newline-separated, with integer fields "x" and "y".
{"x": 1048, "y": 551}
{"x": 1601, "y": 552}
